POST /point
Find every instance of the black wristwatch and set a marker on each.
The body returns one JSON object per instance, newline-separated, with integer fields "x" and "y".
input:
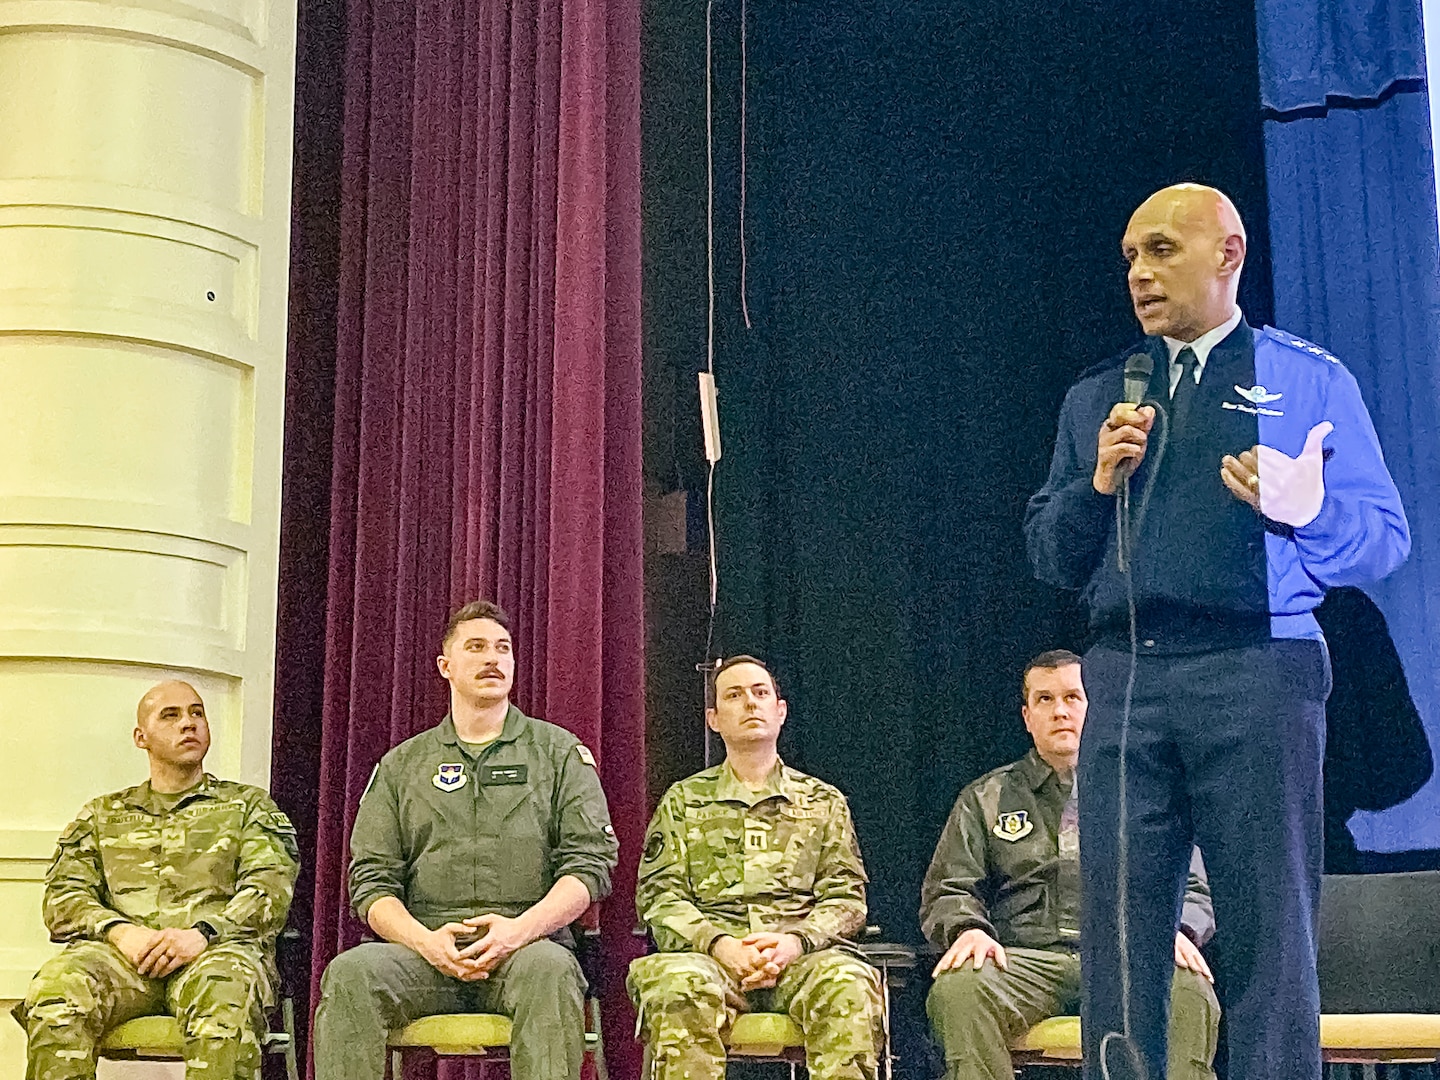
{"x": 209, "y": 931}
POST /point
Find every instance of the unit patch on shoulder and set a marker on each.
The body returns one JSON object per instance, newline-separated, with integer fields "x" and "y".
{"x": 585, "y": 754}
{"x": 654, "y": 845}
{"x": 1016, "y": 825}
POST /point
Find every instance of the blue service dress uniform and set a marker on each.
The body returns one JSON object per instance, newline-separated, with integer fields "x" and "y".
{"x": 1226, "y": 726}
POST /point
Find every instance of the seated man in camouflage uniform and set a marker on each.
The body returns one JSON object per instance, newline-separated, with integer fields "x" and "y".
{"x": 750, "y": 883}
{"x": 168, "y": 897}
{"x": 477, "y": 843}
{"x": 1004, "y": 886}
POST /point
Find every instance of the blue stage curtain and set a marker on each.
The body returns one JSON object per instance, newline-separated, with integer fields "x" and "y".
{"x": 1315, "y": 50}
{"x": 1356, "y": 268}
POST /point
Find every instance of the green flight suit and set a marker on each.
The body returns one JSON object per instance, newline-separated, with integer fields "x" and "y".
{"x": 720, "y": 860}
{"x": 454, "y": 831}
{"x": 220, "y": 854}
{"x": 1008, "y": 863}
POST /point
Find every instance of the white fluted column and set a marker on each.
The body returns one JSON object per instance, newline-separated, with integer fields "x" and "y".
{"x": 144, "y": 245}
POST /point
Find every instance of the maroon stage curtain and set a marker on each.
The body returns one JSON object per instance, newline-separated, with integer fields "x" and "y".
{"x": 487, "y": 399}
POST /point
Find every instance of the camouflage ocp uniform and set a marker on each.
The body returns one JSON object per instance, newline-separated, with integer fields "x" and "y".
{"x": 721, "y": 859}
{"x": 220, "y": 854}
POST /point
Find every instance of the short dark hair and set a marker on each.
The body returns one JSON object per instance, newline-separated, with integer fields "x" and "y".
{"x": 1048, "y": 660}
{"x": 475, "y": 609}
{"x": 743, "y": 658}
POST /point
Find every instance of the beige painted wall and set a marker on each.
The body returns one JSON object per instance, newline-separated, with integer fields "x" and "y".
{"x": 144, "y": 249}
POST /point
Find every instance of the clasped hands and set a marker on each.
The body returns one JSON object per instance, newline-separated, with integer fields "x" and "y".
{"x": 757, "y": 960}
{"x": 1292, "y": 489}
{"x": 457, "y": 951}
{"x": 157, "y": 954}
{"x": 975, "y": 945}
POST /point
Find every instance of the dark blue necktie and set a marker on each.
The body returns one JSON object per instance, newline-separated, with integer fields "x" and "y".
{"x": 1184, "y": 390}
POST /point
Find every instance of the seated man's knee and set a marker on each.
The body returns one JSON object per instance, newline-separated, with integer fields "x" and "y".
{"x": 547, "y": 961}
{"x": 351, "y": 977}
{"x": 961, "y": 990}
{"x": 664, "y": 981}
{"x": 224, "y": 991}
{"x": 1194, "y": 1024}
{"x": 842, "y": 978}
{"x": 67, "y": 988}
{"x": 1192, "y": 996}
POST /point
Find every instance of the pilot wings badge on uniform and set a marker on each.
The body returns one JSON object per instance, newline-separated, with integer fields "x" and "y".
{"x": 1013, "y": 826}
{"x": 1257, "y": 394}
{"x": 450, "y": 777}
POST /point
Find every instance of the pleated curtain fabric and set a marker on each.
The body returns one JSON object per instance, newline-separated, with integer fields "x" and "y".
{"x": 1353, "y": 233}
{"x": 487, "y": 398}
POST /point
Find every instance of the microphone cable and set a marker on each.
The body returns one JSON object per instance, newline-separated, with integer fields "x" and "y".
{"x": 1125, "y": 529}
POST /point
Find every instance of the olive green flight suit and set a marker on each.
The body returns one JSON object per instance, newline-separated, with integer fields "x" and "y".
{"x": 454, "y": 831}
{"x": 1008, "y": 863}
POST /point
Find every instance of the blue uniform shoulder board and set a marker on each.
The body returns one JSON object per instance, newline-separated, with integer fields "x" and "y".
{"x": 1300, "y": 343}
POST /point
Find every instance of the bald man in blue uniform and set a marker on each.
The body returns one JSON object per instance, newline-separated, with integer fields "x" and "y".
{"x": 1258, "y": 483}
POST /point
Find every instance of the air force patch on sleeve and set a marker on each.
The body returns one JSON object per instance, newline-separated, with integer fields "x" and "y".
{"x": 1013, "y": 826}
{"x": 654, "y": 846}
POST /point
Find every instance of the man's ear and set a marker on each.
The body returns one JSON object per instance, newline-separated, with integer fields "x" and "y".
{"x": 783, "y": 709}
{"x": 1232, "y": 254}
{"x": 442, "y": 664}
{"x": 138, "y": 735}
{"x": 710, "y": 720}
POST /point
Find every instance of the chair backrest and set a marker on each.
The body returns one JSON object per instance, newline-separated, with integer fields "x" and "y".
{"x": 1380, "y": 943}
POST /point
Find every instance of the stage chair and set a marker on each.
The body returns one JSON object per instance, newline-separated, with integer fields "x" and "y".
{"x": 1379, "y": 958}
{"x": 486, "y": 1036}
{"x": 1379, "y": 993}
{"x": 775, "y": 1037}
{"x": 158, "y": 1038}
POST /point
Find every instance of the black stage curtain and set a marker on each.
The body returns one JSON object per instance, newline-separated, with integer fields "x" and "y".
{"x": 935, "y": 194}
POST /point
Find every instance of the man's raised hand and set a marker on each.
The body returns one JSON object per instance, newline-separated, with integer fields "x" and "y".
{"x": 1123, "y": 438}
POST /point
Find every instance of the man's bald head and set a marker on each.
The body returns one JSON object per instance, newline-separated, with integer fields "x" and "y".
{"x": 1185, "y": 245}
{"x": 171, "y": 727}
{"x": 1200, "y": 208}
{"x": 170, "y": 692}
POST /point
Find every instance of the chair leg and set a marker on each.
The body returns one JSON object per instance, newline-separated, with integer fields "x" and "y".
{"x": 287, "y": 1019}
{"x": 601, "y": 1071}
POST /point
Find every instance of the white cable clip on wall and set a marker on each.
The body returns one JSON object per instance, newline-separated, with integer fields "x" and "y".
{"x": 709, "y": 417}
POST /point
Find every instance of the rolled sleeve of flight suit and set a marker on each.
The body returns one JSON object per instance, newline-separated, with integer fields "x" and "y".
{"x": 585, "y": 846}
{"x": 377, "y": 860}
{"x": 1197, "y": 918}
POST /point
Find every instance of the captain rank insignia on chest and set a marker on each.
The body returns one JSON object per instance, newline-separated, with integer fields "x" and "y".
{"x": 757, "y": 836}
{"x": 1014, "y": 825}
